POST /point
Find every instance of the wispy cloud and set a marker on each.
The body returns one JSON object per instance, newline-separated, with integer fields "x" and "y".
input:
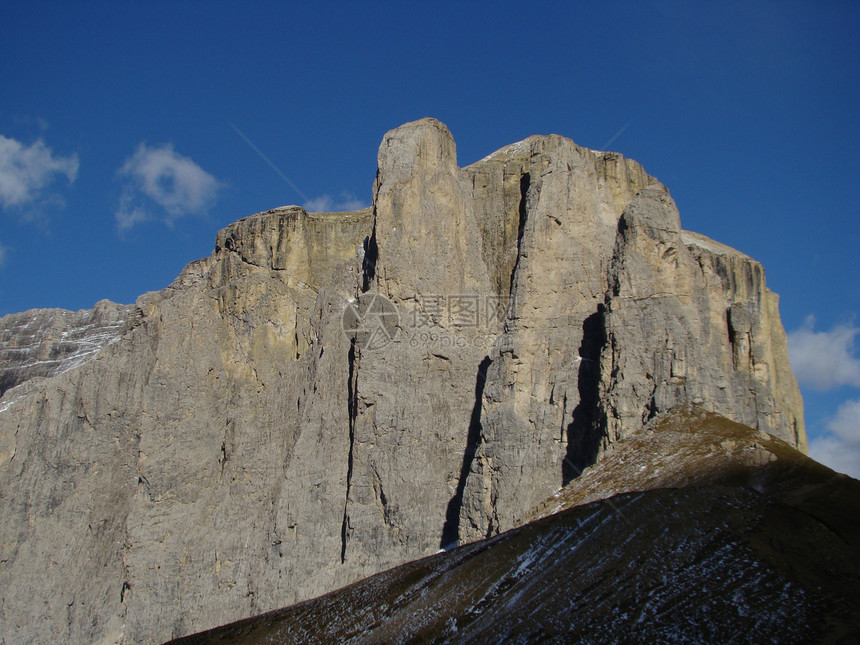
{"x": 129, "y": 214}
{"x": 26, "y": 171}
{"x": 172, "y": 181}
{"x": 824, "y": 360}
{"x": 328, "y": 204}
{"x": 840, "y": 448}
{"x": 2, "y": 255}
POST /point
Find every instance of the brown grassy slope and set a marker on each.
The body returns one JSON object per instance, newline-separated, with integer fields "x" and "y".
{"x": 691, "y": 446}
{"x": 725, "y": 535}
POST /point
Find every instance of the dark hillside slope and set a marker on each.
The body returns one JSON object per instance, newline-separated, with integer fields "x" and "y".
{"x": 744, "y": 547}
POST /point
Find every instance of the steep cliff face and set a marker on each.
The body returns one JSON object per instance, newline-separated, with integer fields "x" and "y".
{"x": 328, "y": 395}
{"x": 182, "y": 476}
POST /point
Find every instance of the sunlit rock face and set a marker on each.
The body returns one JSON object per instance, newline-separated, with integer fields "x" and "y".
{"x": 331, "y": 394}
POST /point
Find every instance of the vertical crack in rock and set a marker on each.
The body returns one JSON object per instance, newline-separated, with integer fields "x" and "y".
{"x": 226, "y": 446}
{"x": 368, "y": 263}
{"x": 525, "y": 183}
{"x": 451, "y": 528}
{"x": 586, "y": 430}
{"x": 352, "y": 403}
{"x": 386, "y": 510}
{"x": 734, "y": 336}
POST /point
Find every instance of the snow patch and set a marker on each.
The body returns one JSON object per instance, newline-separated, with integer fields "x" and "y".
{"x": 510, "y": 150}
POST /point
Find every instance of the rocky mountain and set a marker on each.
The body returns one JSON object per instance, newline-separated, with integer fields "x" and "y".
{"x": 332, "y": 394}
{"x": 731, "y": 535}
{"x": 47, "y": 342}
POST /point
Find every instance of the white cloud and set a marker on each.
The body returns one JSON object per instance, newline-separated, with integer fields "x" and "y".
{"x": 833, "y": 453}
{"x": 840, "y": 449}
{"x": 327, "y": 204}
{"x": 846, "y": 423}
{"x": 824, "y": 360}
{"x": 174, "y": 182}
{"x": 26, "y": 170}
{"x": 128, "y": 214}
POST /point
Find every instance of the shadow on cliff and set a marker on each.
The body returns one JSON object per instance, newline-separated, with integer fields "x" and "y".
{"x": 368, "y": 263}
{"x": 585, "y": 431}
{"x": 451, "y": 529}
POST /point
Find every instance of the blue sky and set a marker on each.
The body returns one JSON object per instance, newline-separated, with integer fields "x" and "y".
{"x": 125, "y": 130}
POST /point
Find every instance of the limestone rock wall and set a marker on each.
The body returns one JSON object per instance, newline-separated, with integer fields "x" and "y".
{"x": 235, "y": 451}
{"x": 194, "y": 471}
{"x": 690, "y": 320}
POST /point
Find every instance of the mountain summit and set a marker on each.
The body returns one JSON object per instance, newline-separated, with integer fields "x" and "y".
{"x": 332, "y": 394}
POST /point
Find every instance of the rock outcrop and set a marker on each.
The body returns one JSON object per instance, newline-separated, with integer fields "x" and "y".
{"x": 329, "y": 395}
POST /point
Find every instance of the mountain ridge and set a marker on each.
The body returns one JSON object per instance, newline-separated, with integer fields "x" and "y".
{"x": 240, "y": 447}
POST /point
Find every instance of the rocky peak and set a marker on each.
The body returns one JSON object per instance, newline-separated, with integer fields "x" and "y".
{"x": 241, "y": 446}
{"x": 419, "y": 147}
